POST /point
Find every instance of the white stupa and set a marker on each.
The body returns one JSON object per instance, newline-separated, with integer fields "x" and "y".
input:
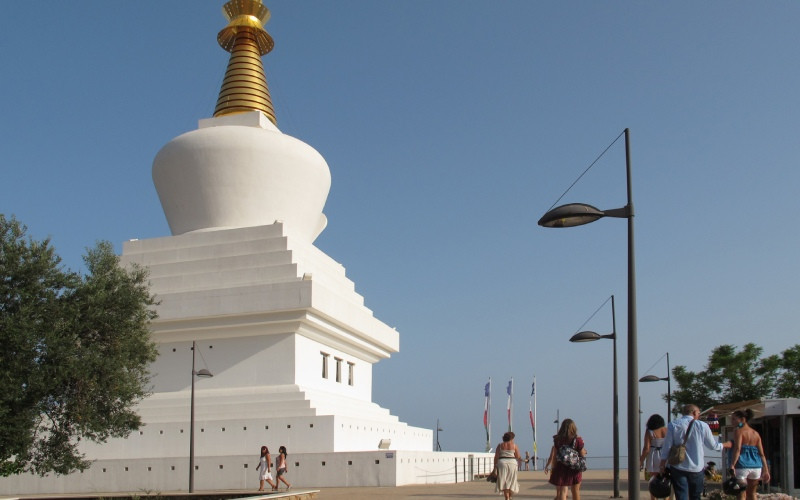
{"x": 289, "y": 342}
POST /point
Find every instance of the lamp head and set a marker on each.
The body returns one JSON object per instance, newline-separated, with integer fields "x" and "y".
{"x": 591, "y": 336}
{"x": 203, "y": 373}
{"x": 585, "y": 337}
{"x": 571, "y": 214}
{"x": 651, "y": 378}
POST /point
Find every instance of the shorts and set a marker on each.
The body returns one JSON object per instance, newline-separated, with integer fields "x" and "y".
{"x": 748, "y": 473}
{"x": 265, "y": 476}
{"x": 281, "y": 472}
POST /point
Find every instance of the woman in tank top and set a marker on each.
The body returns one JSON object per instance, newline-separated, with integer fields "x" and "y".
{"x": 747, "y": 455}
{"x": 650, "y": 459}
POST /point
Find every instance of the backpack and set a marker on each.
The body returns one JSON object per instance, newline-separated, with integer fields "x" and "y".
{"x": 568, "y": 456}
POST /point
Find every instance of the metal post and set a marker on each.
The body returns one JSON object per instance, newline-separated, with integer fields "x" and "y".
{"x": 616, "y": 402}
{"x": 669, "y": 392}
{"x": 633, "y": 349}
{"x": 191, "y": 429}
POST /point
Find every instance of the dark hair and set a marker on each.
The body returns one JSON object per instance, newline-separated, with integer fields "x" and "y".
{"x": 508, "y": 436}
{"x": 745, "y": 415}
{"x": 282, "y": 449}
{"x": 655, "y": 422}
{"x": 568, "y": 430}
{"x": 264, "y": 451}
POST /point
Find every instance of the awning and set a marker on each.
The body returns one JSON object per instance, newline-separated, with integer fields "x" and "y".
{"x": 756, "y": 405}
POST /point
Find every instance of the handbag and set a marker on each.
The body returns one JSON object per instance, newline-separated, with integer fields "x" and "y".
{"x": 677, "y": 452}
{"x": 492, "y": 477}
{"x": 568, "y": 456}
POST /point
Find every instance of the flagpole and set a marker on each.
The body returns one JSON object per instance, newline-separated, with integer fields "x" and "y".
{"x": 510, "y": 391}
{"x": 489, "y": 439}
{"x": 535, "y": 447}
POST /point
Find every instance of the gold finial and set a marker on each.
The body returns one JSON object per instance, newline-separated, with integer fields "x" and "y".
{"x": 245, "y": 85}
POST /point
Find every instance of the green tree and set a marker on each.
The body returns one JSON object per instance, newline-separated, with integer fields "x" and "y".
{"x": 789, "y": 380}
{"x": 692, "y": 388}
{"x": 75, "y": 352}
{"x": 731, "y": 376}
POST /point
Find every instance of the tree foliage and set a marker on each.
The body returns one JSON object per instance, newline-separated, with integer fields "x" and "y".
{"x": 75, "y": 352}
{"x": 731, "y": 376}
{"x": 789, "y": 383}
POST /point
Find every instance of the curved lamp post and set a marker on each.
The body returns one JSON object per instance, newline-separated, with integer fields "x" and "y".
{"x": 203, "y": 373}
{"x": 577, "y": 214}
{"x": 655, "y": 378}
{"x": 438, "y": 429}
{"x": 588, "y": 336}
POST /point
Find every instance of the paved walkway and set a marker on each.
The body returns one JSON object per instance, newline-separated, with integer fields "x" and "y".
{"x": 596, "y": 485}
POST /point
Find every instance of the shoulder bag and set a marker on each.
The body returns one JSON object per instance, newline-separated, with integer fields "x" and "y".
{"x": 677, "y": 452}
{"x": 568, "y": 456}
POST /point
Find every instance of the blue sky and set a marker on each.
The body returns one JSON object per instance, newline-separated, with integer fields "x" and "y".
{"x": 450, "y": 127}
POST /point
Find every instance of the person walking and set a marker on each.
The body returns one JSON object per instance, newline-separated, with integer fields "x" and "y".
{"x": 280, "y": 464}
{"x": 562, "y": 477}
{"x": 506, "y": 458}
{"x": 687, "y": 476}
{"x": 748, "y": 462}
{"x": 527, "y": 460}
{"x": 265, "y": 469}
{"x": 650, "y": 459}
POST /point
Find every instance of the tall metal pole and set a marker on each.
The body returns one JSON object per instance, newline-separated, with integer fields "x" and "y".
{"x": 510, "y": 403}
{"x": 633, "y": 350}
{"x": 191, "y": 429}
{"x": 616, "y": 402}
{"x": 640, "y": 416}
{"x": 669, "y": 392}
{"x": 535, "y": 419}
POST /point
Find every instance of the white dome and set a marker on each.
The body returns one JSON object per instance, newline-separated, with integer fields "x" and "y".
{"x": 241, "y": 171}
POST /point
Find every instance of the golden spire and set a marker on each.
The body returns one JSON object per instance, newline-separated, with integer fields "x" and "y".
{"x": 245, "y": 85}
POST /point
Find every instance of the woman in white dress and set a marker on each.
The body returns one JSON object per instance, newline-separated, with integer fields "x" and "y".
{"x": 650, "y": 460}
{"x": 506, "y": 459}
{"x": 265, "y": 469}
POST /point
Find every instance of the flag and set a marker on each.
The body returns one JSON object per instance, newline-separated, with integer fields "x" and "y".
{"x": 486, "y": 408}
{"x": 486, "y": 421}
{"x": 533, "y": 428}
{"x": 510, "y": 391}
{"x": 533, "y": 424}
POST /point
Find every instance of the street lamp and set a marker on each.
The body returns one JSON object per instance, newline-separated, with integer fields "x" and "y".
{"x": 576, "y": 214}
{"x": 654, "y": 378}
{"x": 438, "y": 446}
{"x": 203, "y": 373}
{"x": 588, "y": 336}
